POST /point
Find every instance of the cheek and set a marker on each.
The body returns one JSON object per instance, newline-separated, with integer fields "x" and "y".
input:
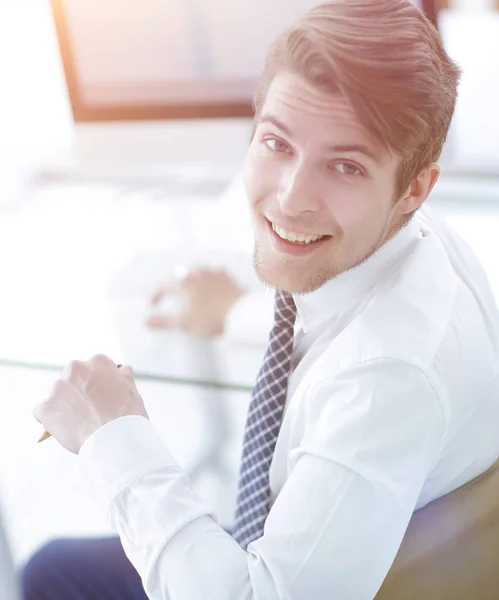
{"x": 349, "y": 208}
{"x": 357, "y": 211}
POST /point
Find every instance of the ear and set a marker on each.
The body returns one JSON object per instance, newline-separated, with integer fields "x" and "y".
{"x": 419, "y": 189}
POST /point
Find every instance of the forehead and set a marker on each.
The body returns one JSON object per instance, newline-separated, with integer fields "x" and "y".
{"x": 306, "y": 108}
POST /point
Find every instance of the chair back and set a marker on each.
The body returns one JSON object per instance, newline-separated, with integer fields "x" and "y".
{"x": 451, "y": 548}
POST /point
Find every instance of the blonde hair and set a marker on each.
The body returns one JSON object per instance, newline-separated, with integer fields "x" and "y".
{"x": 387, "y": 60}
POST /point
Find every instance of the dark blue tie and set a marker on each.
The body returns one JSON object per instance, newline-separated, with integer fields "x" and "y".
{"x": 263, "y": 423}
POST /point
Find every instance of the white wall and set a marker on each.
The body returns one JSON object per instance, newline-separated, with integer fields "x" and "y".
{"x": 473, "y": 5}
{"x": 472, "y": 39}
{"x": 35, "y": 118}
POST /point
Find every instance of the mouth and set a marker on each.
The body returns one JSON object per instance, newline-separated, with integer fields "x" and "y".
{"x": 288, "y": 240}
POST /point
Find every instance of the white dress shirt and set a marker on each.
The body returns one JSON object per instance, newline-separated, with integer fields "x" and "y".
{"x": 393, "y": 402}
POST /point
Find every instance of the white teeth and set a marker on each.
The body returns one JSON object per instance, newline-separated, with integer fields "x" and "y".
{"x": 291, "y": 236}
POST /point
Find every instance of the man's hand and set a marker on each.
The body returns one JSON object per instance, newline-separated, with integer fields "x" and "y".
{"x": 88, "y": 395}
{"x": 206, "y": 296}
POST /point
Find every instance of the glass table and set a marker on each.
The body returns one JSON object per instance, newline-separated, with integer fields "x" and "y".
{"x": 50, "y": 337}
{"x": 61, "y": 301}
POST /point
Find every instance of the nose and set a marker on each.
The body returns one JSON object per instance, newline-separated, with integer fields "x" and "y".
{"x": 296, "y": 192}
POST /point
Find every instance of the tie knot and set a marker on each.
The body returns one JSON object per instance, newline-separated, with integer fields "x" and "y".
{"x": 284, "y": 309}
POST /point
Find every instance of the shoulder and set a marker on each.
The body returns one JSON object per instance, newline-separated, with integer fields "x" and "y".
{"x": 409, "y": 313}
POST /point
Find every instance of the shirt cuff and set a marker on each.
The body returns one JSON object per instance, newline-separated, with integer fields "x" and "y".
{"x": 121, "y": 452}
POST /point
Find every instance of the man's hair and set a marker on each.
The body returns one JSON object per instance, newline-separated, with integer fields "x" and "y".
{"x": 387, "y": 60}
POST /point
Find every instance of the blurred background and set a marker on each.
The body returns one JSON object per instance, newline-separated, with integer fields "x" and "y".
{"x": 124, "y": 126}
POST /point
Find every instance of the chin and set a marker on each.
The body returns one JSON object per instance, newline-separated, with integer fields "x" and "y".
{"x": 282, "y": 281}
{"x": 285, "y": 277}
{"x": 288, "y": 274}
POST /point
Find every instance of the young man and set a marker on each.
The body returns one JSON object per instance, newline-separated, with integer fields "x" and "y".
{"x": 379, "y": 390}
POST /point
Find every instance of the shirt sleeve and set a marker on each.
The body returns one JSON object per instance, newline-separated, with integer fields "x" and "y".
{"x": 373, "y": 434}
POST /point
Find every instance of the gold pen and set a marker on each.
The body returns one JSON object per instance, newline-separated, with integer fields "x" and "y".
{"x": 45, "y": 435}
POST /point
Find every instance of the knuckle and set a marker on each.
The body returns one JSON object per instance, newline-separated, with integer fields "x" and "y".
{"x": 76, "y": 368}
{"x": 52, "y": 400}
{"x": 100, "y": 359}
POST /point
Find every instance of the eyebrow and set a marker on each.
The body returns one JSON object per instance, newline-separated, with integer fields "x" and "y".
{"x": 374, "y": 156}
{"x": 274, "y": 121}
{"x": 360, "y": 148}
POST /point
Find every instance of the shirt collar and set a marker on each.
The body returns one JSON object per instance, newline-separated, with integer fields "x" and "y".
{"x": 339, "y": 293}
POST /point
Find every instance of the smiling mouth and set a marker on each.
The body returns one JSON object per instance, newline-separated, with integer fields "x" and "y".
{"x": 298, "y": 239}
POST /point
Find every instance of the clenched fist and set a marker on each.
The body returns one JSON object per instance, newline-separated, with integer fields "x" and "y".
{"x": 88, "y": 395}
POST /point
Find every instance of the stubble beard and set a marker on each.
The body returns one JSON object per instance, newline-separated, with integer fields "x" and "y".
{"x": 318, "y": 278}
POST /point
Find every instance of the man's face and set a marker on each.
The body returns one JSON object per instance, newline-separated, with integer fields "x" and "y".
{"x": 313, "y": 171}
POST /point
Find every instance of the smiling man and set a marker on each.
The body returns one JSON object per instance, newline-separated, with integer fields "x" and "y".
{"x": 379, "y": 389}
{"x": 321, "y": 208}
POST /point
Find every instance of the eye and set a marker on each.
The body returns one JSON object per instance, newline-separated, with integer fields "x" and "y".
{"x": 276, "y": 145}
{"x": 347, "y": 168}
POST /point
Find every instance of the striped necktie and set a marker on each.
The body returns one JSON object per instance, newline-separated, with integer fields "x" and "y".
{"x": 263, "y": 423}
